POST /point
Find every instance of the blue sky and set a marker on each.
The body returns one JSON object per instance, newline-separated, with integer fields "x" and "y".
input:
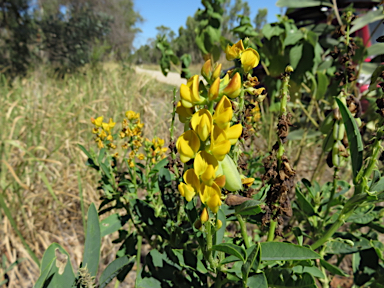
{"x": 174, "y": 13}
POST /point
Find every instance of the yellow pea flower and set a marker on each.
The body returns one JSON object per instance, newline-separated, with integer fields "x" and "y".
{"x": 189, "y": 93}
{"x": 191, "y": 185}
{"x": 132, "y": 115}
{"x": 220, "y": 181}
{"x": 209, "y": 73}
{"x": 201, "y": 123}
{"x": 234, "y": 51}
{"x": 247, "y": 181}
{"x": 188, "y": 144}
{"x": 98, "y": 121}
{"x": 183, "y": 113}
{"x": 233, "y": 133}
{"x": 107, "y": 127}
{"x": 205, "y": 166}
{"x": 216, "y": 73}
{"x": 220, "y": 145}
{"x": 233, "y": 89}
{"x": 223, "y": 113}
{"x": 211, "y": 196}
{"x": 213, "y": 91}
{"x": 250, "y": 58}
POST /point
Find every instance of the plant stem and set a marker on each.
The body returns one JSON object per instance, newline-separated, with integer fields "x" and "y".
{"x": 333, "y": 191}
{"x": 272, "y": 228}
{"x": 138, "y": 255}
{"x": 243, "y": 229}
{"x": 208, "y": 227}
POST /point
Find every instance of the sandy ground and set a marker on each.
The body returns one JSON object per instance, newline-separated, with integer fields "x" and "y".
{"x": 172, "y": 78}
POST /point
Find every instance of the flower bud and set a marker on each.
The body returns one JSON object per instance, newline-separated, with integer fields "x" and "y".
{"x": 233, "y": 89}
{"x": 219, "y": 224}
{"x": 213, "y": 92}
{"x": 206, "y": 70}
{"x": 197, "y": 224}
{"x": 216, "y": 72}
{"x": 204, "y": 217}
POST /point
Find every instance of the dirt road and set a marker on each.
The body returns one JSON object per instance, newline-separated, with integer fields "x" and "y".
{"x": 172, "y": 78}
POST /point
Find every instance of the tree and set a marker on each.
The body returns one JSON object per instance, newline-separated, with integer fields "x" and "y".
{"x": 260, "y": 19}
{"x": 231, "y": 12}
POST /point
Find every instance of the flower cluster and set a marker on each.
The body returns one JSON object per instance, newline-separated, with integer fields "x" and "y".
{"x": 249, "y": 57}
{"x": 103, "y": 132}
{"x": 154, "y": 149}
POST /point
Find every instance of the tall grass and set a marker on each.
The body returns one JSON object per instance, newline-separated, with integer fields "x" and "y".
{"x": 42, "y": 170}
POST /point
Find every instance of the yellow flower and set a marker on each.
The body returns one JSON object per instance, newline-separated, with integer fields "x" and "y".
{"x": 233, "y": 89}
{"x": 131, "y": 163}
{"x": 107, "y": 127}
{"x": 95, "y": 130}
{"x": 233, "y": 133}
{"x": 109, "y": 138}
{"x": 188, "y": 144}
{"x": 204, "y": 217}
{"x": 183, "y": 113}
{"x": 191, "y": 185}
{"x": 100, "y": 144}
{"x": 250, "y": 58}
{"x": 247, "y": 181}
{"x": 189, "y": 93}
{"x": 136, "y": 143}
{"x": 206, "y": 69}
{"x": 220, "y": 145}
{"x": 220, "y": 181}
{"x": 205, "y": 166}
{"x": 102, "y": 135}
{"x": 98, "y": 121}
{"x": 132, "y": 115}
{"x": 211, "y": 196}
{"x": 234, "y": 51}
{"x": 213, "y": 92}
{"x": 201, "y": 123}
{"x": 141, "y": 156}
{"x": 223, "y": 113}
{"x": 216, "y": 72}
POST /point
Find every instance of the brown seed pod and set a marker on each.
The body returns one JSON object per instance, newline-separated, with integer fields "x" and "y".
{"x": 234, "y": 200}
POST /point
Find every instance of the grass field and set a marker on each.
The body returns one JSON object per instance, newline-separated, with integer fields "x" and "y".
{"x": 43, "y": 175}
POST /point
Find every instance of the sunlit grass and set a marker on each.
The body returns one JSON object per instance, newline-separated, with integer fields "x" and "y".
{"x": 43, "y": 119}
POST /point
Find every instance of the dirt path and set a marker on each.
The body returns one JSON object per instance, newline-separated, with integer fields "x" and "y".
{"x": 172, "y": 78}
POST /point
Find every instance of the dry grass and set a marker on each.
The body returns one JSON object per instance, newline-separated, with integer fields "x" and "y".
{"x": 42, "y": 170}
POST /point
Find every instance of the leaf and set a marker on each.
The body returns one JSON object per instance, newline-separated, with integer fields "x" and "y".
{"x": 257, "y": 281}
{"x": 304, "y": 204}
{"x": 312, "y": 270}
{"x": 364, "y": 20}
{"x": 322, "y": 85}
{"x": 376, "y": 49}
{"x": 301, "y": 3}
{"x": 293, "y": 38}
{"x": 283, "y": 277}
{"x": 112, "y": 223}
{"x": 250, "y": 207}
{"x": 92, "y": 242}
{"x": 332, "y": 268}
{"x": 229, "y": 259}
{"x": 271, "y": 30}
{"x": 281, "y": 251}
{"x": 312, "y": 38}
{"x": 354, "y": 138}
{"x": 310, "y": 187}
{"x": 346, "y": 246}
{"x": 295, "y": 55}
{"x": 231, "y": 249}
{"x": 113, "y": 269}
{"x": 56, "y": 268}
{"x": 253, "y": 257}
{"x": 219, "y": 234}
{"x": 375, "y": 75}
{"x": 85, "y": 151}
{"x": 105, "y": 170}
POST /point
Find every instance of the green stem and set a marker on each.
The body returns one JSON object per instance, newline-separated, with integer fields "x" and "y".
{"x": 138, "y": 255}
{"x": 243, "y": 230}
{"x": 272, "y": 228}
{"x": 117, "y": 283}
{"x": 333, "y": 191}
{"x": 208, "y": 228}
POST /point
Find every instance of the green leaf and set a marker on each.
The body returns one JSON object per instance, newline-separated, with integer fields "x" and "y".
{"x": 312, "y": 270}
{"x": 229, "y": 259}
{"x": 253, "y": 258}
{"x": 219, "y": 234}
{"x": 302, "y": 3}
{"x": 332, "y": 268}
{"x": 312, "y": 38}
{"x": 295, "y": 55}
{"x": 44, "y": 274}
{"x": 112, "y": 223}
{"x": 322, "y": 85}
{"x": 293, "y": 38}
{"x": 85, "y": 151}
{"x": 281, "y": 251}
{"x": 346, "y": 246}
{"x": 364, "y": 20}
{"x": 92, "y": 242}
{"x": 304, "y": 204}
{"x": 231, "y": 249}
{"x": 257, "y": 281}
{"x": 376, "y": 49}
{"x": 354, "y": 138}
{"x": 113, "y": 269}
{"x": 250, "y": 207}
{"x": 105, "y": 170}
{"x": 271, "y": 30}
{"x": 56, "y": 268}
{"x": 375, "y": 75}
{"x": 283, "y": 277}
